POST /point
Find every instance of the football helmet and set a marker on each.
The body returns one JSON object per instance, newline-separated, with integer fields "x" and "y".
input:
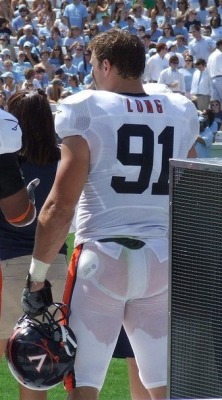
{"x": 40, "y": 353}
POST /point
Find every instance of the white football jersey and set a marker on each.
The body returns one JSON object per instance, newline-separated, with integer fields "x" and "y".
{"x": 10, "y": 133}
{"x": 131, "y": 139}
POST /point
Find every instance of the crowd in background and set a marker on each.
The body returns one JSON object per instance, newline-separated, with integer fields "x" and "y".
{"x": 44, "y": 44}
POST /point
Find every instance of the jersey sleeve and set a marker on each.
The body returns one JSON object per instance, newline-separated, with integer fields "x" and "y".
{"x": 73, "y": 115}
{"x": 11, "y": 179}
{"x": 10, "y": 133}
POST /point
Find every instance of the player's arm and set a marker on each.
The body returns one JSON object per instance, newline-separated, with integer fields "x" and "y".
{"x": 57, "y": 212}
{"x": 14, "y": 197}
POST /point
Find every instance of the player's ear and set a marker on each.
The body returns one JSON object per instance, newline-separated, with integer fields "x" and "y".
{"x": 106, "y": 66}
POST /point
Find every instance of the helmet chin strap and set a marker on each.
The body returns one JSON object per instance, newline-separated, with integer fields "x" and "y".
{"x": 67, "y": 338}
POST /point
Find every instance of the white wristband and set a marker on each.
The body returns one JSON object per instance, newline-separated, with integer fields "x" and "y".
{"x": 38, "y": 270}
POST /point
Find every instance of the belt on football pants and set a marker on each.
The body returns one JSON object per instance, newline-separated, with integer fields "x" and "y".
{"x": 132, "y": 244}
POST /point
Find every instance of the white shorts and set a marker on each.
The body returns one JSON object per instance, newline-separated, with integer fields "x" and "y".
{"x": 105, "y": 293}
{"x": 14, "y": 272}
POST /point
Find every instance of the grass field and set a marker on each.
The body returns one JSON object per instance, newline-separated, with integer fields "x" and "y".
{"x": 116, "y": 386}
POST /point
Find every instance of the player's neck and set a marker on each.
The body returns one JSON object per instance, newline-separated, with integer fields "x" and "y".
{"x": 133, "y": 86}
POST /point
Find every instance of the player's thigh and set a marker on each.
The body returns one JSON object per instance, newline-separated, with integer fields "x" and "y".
{"x": 146, "y": 324}
{"x": 97, "y": 310}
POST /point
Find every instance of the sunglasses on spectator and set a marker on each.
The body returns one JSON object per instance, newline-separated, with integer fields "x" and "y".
{"x": 68, "y": 59}
{"x": 3, "y": 40}
{"x": 188, "y": 59}
{"x": 87, "y": 54}
{"x": 174, "y": 62}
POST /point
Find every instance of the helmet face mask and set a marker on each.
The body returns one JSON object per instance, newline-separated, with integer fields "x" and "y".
{"x": 41, "y": 353}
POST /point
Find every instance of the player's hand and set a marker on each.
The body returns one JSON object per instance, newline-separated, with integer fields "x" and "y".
{"x": 35, "y": 301}
{"x": 31, "y": 189}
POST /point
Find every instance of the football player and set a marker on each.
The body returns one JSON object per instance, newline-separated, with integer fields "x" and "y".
{"x": 117, "y": 141}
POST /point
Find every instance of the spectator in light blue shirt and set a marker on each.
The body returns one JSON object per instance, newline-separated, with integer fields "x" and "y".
{"x": 76, "y": 14}
{"x": 19, "y": 21}
{"x": 204, "y": 140}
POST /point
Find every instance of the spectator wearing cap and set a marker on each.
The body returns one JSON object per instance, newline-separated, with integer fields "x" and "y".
{"x": 19, "y": 21}
{"x": 200, "y": 46}
{"x": 76, "y": 14}
{"x": 60, "y": 73}
{"x": 9, "y": 83}
{"x": 155, "y": 64}
{"x": 105, "y": 24}
{"x": 201, "y": 87}
{"x": 8, "y": 66}
{"x": 154, "y": 32}
{"x": 73, "y": 36}
{"x": 68, "y": 67}
{"x": 30, "y": 54}
{"x": 130, "y": 25}
{"x": 84, "y": 67}
{"x": 172, "y": 77}
{"x": 180, "y": 29}
{"x": 204, "y": 139}
{"x": 172, "y": 51}
{"x": 45, "y": 64}
{"x": 214, "y": 66}
{"x": 4, "y": 55}
{"x": 21, "y": 65}
{"x": 139, "y": 18}
{"x": 28, "y": 37}
{"x": 7, "y": 47}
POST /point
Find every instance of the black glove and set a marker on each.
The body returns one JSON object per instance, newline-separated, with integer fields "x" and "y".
{"x": 33, "y": 303}
{"x": 31, "y": 189}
